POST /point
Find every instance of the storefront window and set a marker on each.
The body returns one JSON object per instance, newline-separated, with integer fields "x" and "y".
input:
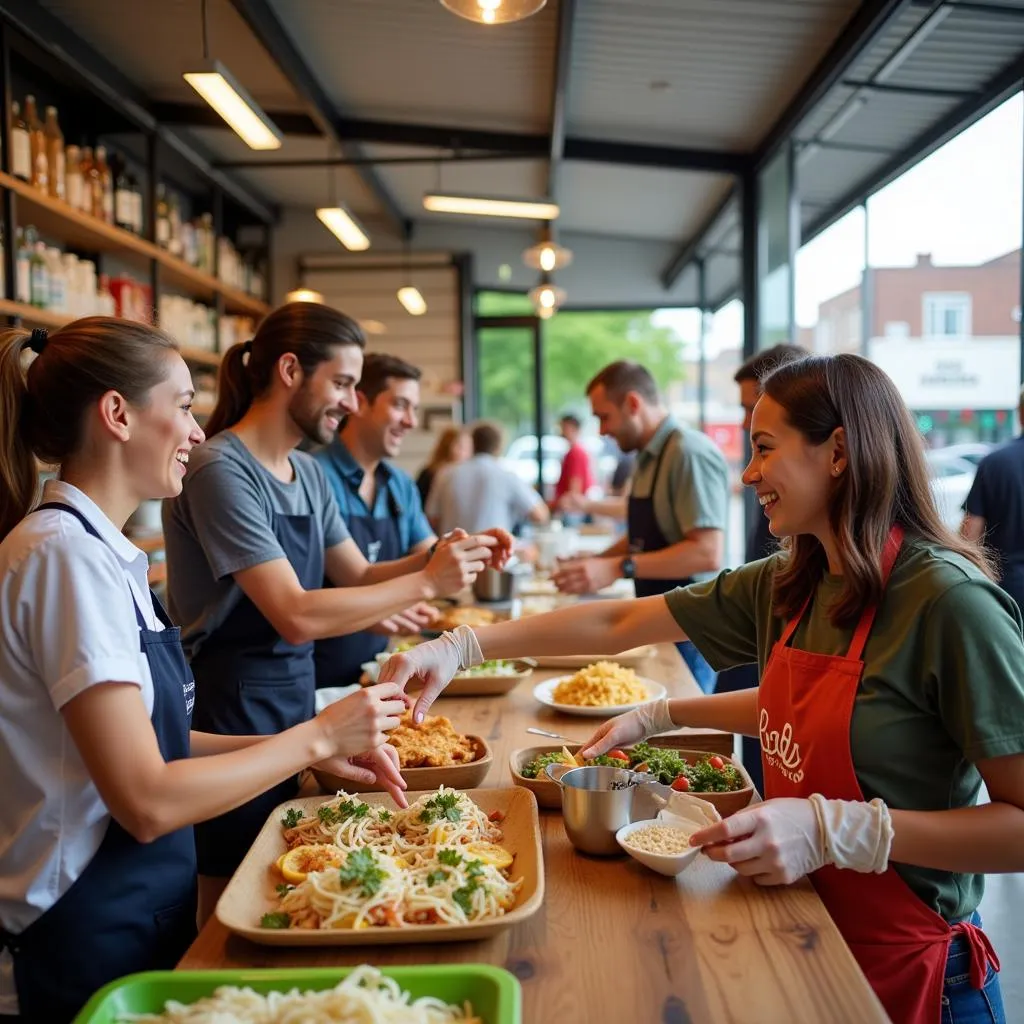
{"x": 775, "y": 313}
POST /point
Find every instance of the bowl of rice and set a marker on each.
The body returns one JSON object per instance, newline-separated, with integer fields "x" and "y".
{"x": 660, "y": 846}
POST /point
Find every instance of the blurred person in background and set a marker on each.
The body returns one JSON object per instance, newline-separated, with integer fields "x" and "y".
{"x": 482, "y": 490}
{"x": 678, "y": 502}
{"x": 454, "y": 445}
{"x": 994, "y": 510}
{"x": 760, "y": 542}
{"x": 577, "y": 476}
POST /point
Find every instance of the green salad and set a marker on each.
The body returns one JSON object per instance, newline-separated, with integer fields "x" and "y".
{"x": 711, "y": 774}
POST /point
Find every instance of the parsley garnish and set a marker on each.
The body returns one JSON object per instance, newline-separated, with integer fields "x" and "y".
{"x": 444, "y": 805}
{"x": 291, "y": 817}
{"x": 361, "y": 868}
{"x": 278, "y": 919}
{"x": 384, "y": 815}
{"x": 474, "y": 868}
{"x": 328, "y": 815}
{"x": 449, "y": 857}
{"x": 283, "y": 889}
{"x": 348, "y": 809}
{"x": 436, "y": 876}
{"x": 464, "y": 897}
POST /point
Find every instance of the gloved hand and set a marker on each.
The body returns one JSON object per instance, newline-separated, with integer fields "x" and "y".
{"x": 633, "y": 726}
{"x": 379, "y": 766}
{"x": 781, "y": 840}
{"x": 433, "y": 664}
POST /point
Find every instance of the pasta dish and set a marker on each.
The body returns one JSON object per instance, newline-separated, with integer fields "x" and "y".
{"x": 603, "y": 684}
{"x": 437, "y": 862}
{"x": 365, "y": 995}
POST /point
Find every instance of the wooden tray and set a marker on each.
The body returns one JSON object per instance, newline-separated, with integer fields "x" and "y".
{"x": 628, "y": 659}
{"x": 458, "y": 776}
{"x": 549, "y": 795}
{"x": 250, "y": 893}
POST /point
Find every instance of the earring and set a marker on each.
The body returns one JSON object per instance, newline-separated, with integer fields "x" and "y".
{"x": 835, "y": 471}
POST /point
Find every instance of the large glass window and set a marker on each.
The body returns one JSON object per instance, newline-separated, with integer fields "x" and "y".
{"x": 774, "y": 243}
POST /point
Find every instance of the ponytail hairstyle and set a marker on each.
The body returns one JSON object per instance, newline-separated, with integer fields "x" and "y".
{"x": 43, "y": 406}
{"x": 308, "y": 330}
{"x": 886, "y": 481}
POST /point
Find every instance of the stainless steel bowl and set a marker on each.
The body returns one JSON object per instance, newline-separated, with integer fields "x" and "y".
{"x": 596, "y": 802}
{"x": 494, "y": 585}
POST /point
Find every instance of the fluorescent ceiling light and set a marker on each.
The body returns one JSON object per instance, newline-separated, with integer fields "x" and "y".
{"x": 414, "y": 303}
{"x": 483, "y": 206}
{"x": 347, "y": 229}
{"x": 494, "y": 12}
{"x": 303, "y": 295}
{"x": 221, "y": 90}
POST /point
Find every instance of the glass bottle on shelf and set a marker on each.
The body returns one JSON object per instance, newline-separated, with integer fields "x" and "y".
{"x": 73, "y": 176}
{"x": 22, "y": 269}
{"x": 87, "y": 167}
{"x": 21, "y": 145}
{"x": 105, "y": 305}
{"x": 174, "y": 218}
{"x": 39, "y": 280}
{"x": 163, "y": 218}
{"x": 55, "y": 167}
{"x": 206, "y": 242}
{"x": 188, "y": 243}
{"x": 138, "y": 223}
{"x": 58, "y": 291}
{"x": 37, "y": 141}
{"x": 123, "y": 203}
{"x": 103, "y": 187}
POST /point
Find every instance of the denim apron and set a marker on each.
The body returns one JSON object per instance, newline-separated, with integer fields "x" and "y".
{"x": 252, "y": 682}
{"x": 134, "y": 906}
{"x": 645, "y": 534}
{"x": 339, "y": 659}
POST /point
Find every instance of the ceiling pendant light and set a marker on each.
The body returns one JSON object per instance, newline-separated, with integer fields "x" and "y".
{"x": 304, "y": 295}
{"x": 546, "y": 298}
{"x": 410, "y": 297}
{"x": 493, "y": 12}
{"x": 547, "y": 256}
{"x": 225, "y": 94}
{"x": 340, "y": 221}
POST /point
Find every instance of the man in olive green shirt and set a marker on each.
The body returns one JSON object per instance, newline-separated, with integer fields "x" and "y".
{"x": 678, "y": 501}
{"x": 941, "y": 668}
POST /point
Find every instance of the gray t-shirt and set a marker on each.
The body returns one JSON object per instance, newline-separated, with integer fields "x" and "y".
{"x": 478, "y": 494}
{"x": 223, "y": 522}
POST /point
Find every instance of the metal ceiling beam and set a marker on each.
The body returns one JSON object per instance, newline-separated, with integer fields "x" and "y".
{"x": 909, "y": 90}
{"x": 514, "y": 145}
{"x": 998, "y": 89}
{"x": 265, "y": 25}
{"x": 560, "y": 93}
{"x": 860, "y": 32}
{"x": 691, "y": 249}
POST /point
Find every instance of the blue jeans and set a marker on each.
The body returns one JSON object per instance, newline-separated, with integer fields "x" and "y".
{"x": 702, "y": 671}
{"x": 961, "y": 1002}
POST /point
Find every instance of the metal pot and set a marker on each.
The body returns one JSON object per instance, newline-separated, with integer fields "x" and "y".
{"x": 494, "y": 585}
{"x": 596, "y": 802}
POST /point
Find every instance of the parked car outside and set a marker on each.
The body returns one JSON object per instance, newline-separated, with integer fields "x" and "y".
{"x": 952, "y": 477}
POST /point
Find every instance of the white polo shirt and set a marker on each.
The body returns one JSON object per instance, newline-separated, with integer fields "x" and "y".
{"x": 67, "y": 622}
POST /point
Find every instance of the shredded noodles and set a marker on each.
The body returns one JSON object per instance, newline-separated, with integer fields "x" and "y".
{"x": 603, "y": 684}
{"x": 365, "y": 996}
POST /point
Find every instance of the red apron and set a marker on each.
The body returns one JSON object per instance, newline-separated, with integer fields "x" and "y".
{"x": 805, "y": 704}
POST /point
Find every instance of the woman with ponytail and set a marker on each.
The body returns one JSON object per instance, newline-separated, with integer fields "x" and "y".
{"x": 255, "y": 533}
{"x": 103, "y": 776}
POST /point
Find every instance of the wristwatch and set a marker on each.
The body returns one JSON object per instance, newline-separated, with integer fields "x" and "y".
{"x": 628, "y": 567}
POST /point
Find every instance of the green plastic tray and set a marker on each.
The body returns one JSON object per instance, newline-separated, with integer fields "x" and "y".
{"x": 494, "y": 993}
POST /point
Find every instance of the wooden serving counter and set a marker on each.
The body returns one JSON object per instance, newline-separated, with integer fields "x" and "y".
{"x": 615, "y": 943}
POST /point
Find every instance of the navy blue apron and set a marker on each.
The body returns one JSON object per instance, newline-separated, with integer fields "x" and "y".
{"x": 645, "y": 535}
{"x": 134, "y": 906}
{"x": 339, "y": 659}
{"x": 252, "y": 682}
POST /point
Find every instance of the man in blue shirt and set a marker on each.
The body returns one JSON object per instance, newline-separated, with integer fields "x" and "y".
{"x": 994, "y": 510}
{"x": 379, "y": 503}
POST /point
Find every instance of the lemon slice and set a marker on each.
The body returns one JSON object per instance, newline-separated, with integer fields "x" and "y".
{"x": 297, "y": 863}
{"x": 490, "y": 853}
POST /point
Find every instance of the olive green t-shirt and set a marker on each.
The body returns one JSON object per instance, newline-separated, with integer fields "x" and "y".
{"x": 943, "y": 681}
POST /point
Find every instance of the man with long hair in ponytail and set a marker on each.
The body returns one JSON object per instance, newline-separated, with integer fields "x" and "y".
{"x": 254, "y": 534}
{"x": 104, "y": 770}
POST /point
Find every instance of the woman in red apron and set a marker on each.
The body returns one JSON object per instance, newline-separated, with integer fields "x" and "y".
{"x": 890, "y": 689}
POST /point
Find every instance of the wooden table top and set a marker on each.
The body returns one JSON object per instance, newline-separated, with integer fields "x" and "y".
{"x": 615, "y": 942}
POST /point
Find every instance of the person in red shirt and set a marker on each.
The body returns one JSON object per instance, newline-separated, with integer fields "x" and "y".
{"x": 577, "y": 472}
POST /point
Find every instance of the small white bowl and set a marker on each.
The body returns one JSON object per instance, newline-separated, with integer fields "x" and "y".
{"x": 663, "y": 863}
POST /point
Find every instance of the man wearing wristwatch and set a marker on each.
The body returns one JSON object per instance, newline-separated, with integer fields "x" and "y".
{"x": 678, "y": 501}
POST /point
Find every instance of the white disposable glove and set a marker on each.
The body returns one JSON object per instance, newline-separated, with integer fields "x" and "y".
{"x": 781, "y": 840}
{"x": 433, "y": 664}
{"x": 632, "y": 727}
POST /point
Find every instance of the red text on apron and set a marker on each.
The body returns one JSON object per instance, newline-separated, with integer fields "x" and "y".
{"x": 805, "y": 706}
